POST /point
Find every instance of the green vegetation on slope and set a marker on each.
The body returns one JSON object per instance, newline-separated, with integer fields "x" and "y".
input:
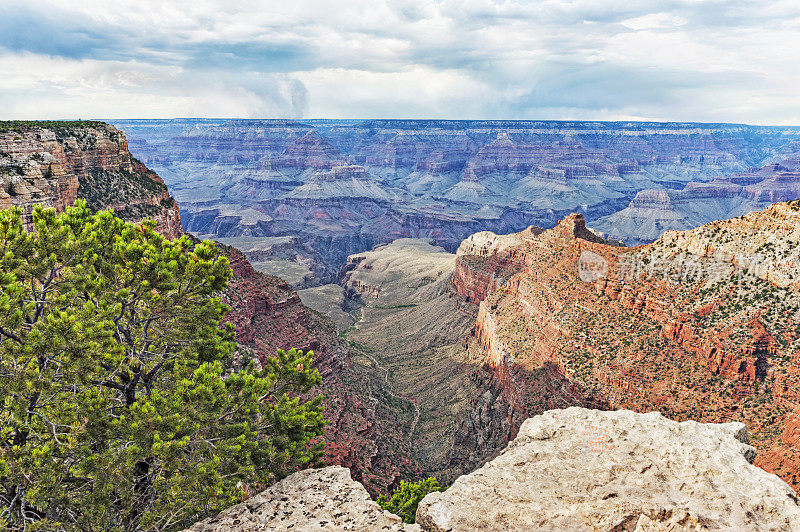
{"x": 405, "y": 499}
{"x": 122, "y": 407}
{"x": 107, "y": 187}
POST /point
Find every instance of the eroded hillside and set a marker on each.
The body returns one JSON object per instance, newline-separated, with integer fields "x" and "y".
{"x": 365, "y": 430}
{"x": 701, "y": 325}
{"x": 409, "y": 333}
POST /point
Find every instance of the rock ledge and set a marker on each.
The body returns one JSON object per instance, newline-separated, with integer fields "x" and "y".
{"x": 579, "y": 469}
{"x": 310, "y": 500}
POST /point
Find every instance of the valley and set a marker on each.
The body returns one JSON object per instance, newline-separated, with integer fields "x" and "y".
{"x": 468, "y": 315}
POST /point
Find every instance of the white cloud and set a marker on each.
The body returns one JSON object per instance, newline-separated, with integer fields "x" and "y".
{"x": 654, "y": 21}
{"x": 50, "y": 87}
{"x": 418, "y": 92}
{"x": 729, "y": 60}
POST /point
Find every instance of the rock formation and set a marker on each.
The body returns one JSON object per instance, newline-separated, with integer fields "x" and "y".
{"x": 54, "y": 163}
{"x": 701, "y": 324}
{"x": 578, "y": 469}
{"x": 307, "y": 501}
{"x": 652, "y": 212}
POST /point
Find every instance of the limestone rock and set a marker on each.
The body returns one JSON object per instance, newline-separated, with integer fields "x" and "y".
{"x": 310, "y": 500}
{"x": 580, "y": 469}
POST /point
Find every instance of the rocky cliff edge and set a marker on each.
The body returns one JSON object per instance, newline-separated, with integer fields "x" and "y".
{"x": 54, "y": 163}
{"x": 569, "y": 469}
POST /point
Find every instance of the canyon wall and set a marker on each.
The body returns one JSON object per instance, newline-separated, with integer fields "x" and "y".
{"x": 703, "y": 324}
{"x": 364, "y": 433}
{"x": 55, "y": 163}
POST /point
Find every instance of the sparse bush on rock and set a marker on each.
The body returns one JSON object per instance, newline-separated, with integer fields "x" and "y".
{"x": 406, "y": 497}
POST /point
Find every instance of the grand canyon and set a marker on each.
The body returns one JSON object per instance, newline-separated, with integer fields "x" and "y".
{"x": 418, "y": 265}
{"x": 456, "y": 279}
{"x": 494, "y": 329}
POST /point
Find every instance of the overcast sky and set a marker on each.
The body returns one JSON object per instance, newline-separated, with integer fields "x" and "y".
{"x": 699, "y": 60}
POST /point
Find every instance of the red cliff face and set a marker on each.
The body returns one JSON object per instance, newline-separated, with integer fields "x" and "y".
{"x": 268, "y": 315}
{"x": 56, "y": 164}
{"x": 660, "y": 329}
{"x": 473, "y": 282}
{"x": 485, "y": 262}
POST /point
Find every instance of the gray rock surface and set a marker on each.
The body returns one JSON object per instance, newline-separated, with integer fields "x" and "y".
{"x": 579, "y": 469}
{"x": 310, "y": 500}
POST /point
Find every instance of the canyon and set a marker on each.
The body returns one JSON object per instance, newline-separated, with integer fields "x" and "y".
{"x": 364, "y": 432}
{"x": 437, "y": 335}
{"x": 339, "y": 187}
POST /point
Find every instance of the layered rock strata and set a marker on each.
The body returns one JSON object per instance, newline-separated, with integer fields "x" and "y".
{"x": 345, "y": 186}
{"x": 699, "y": 325}
{"x": 54, "y": 163}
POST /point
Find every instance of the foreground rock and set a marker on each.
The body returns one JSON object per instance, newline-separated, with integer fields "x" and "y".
{"x": 580, "y": 469}
{"x": 314, "y": 499}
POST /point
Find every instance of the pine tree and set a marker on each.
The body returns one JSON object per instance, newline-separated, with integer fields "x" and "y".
{"x": 121, "y": 408}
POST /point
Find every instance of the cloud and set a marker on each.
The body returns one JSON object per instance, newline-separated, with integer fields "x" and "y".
{"x": 712, "y": 60}
{"x": 654, "y": 21}
{"x": 41, "y": 86}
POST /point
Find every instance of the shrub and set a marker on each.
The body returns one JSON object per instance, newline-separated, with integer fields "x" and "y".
{"x": 405, "y": 499}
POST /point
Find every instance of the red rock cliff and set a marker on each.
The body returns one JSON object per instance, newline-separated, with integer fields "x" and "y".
{"x": 268, "y": 315}
{"x": 661, "y": 327}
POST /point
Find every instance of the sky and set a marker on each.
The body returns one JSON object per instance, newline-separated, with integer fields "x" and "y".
{"x": 682, "y": 60}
